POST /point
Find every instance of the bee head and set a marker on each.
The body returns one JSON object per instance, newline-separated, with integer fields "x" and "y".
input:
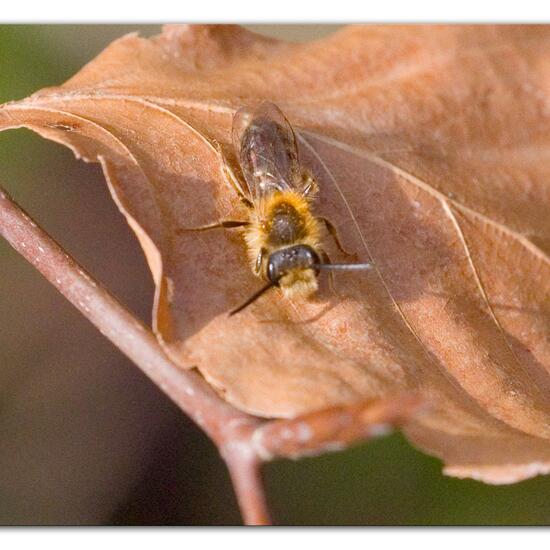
{"x": 285, "y": 262}
{"x": 295, "y": 269}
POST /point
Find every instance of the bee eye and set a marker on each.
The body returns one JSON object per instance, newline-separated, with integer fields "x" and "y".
{"x": 312, "y": 257}
{"x": 272, "y": 274}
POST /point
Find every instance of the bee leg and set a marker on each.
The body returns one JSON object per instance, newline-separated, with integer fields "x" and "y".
{"x": 309, "y": 185}
{"x": 231, "y": 178}
{"x": 334, "y": 234}
{"x": 331, "y": 280}
{"x": 259, "y": 260}
{"x": 226, "y": 224}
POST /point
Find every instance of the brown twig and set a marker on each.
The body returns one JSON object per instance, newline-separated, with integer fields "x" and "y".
{"x": 244, "y": 467}
{"x": 244, "y": 441}
{"x": 335, "y": 428}
{"x": 188, "y": 390}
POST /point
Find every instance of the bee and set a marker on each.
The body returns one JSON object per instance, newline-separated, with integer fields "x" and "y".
{"x": 282, "y": 234}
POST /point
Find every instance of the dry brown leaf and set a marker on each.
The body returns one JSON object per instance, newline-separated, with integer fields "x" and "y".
{"x": 432, "y": 148}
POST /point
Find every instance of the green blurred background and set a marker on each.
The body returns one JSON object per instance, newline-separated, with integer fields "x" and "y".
{"x": 85, "y": 438}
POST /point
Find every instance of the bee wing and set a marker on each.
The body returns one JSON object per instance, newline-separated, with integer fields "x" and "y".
{"x": 267, "y": 151}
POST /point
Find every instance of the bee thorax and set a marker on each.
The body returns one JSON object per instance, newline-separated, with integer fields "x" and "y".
{"x": 286, "y": 225}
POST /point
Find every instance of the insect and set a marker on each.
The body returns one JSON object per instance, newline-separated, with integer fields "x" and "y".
{"x": 283, "y": 235}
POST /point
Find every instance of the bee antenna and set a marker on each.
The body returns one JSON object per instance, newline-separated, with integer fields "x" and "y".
{"x": 345, "y": 267}
{"x": 253, "y": 298}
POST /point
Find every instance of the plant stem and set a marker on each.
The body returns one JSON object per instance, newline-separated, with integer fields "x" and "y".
{"x": 247, "y": 481}
{"x": 187, "y": 389}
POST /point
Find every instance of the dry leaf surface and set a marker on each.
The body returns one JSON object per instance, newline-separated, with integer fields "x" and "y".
{"x": 432, "y": 149}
